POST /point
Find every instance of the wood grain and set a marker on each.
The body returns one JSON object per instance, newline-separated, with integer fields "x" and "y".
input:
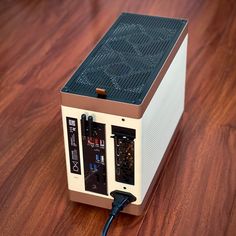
{"x": 41, "y": 43}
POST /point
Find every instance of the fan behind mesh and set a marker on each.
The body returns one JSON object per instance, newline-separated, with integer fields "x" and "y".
{"x": 127, "y": 59}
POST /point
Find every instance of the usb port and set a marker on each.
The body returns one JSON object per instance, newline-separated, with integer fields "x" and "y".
{"x": 102, "y": 159}
{"x": 95, "y": 167}
{"x": 97, "y": 158}
{"x": 91, "y": 166}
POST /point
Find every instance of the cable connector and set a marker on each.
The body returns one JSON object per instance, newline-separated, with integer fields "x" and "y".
{"x": 121, "y": 200}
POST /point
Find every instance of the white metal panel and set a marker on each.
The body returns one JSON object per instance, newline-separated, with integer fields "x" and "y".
{"x": 162, "y": 115}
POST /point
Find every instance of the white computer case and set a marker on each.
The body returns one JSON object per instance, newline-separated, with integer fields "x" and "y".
{"x": 154, "y": 131}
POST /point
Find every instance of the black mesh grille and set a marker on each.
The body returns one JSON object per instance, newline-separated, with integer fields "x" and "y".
{"x": 127, "y": 59}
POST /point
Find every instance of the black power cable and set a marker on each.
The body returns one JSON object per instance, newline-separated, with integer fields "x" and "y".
{"x": 121, "y": 200}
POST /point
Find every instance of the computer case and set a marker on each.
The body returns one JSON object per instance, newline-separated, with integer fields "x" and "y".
{"x": 121, "y": 107}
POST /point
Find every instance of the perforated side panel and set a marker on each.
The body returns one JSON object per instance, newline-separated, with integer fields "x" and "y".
{"x": 127, "y": 59}
{"x": 162, "y": 116}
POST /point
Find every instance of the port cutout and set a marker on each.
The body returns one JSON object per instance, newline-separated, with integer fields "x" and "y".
{"x": 94, "y": 155}
{"x": 124, "y": 154}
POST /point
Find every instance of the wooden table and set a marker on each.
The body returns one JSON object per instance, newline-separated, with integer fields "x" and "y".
{"x": 41, "y": 43}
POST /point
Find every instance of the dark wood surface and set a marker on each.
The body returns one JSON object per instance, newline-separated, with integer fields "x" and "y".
{"x": 41, "y": 43}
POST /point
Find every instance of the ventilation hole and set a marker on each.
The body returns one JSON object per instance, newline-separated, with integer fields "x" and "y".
{"x": 153, "y": 48}
{"x": 118, "y": 69}
{"x": 139, "y": 39}
{"x": 98, "y": 78}
{"x": 122, "y": 46}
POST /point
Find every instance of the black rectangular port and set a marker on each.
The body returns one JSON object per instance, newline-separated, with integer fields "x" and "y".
{"x": 124, "y": 154}
{"x": 73, "y": 145}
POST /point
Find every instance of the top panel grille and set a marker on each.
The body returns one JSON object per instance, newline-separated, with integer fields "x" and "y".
{"x": 127, "y": 59}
